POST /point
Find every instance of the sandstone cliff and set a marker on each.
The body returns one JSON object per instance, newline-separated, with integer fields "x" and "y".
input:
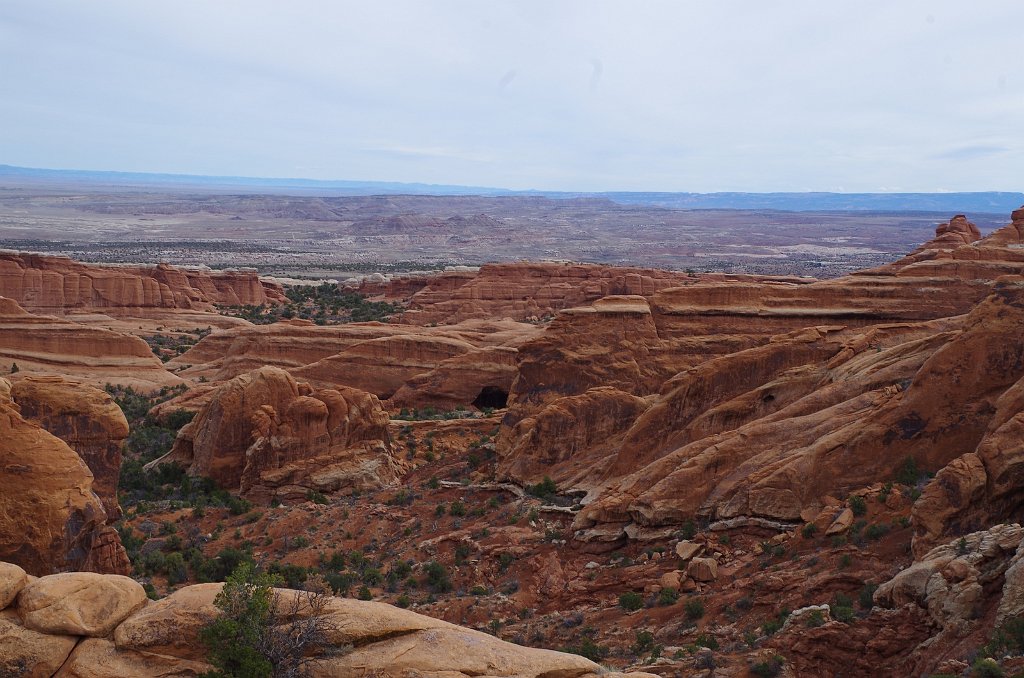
{"x": 524, "y": 290}
{"x": 455, "y": 362}
{"x": 52, "y": 284}
{"x": 50, "y": 345}
{"x": 84, "y": 417}
{"x": 50, "y": 518}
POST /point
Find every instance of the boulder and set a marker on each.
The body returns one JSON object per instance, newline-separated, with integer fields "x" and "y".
{"x": 841, "y": 524}
{"x": 703, "y": 569}
{"x": 12, "y": 580}
{"x": 170, "y": 626}
{"x": 688, "y": 549}
{"x": 387, "y": 641}
{"x": 79, "y": 603}
{"x": 454, "y": 652}
{"x": 25, "y": 653}
{"x": 100, "y": 658}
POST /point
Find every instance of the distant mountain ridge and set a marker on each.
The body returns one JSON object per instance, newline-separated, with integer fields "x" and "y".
{"x": 982, "y": 201}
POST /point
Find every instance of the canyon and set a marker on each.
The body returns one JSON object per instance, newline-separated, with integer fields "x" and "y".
{"x": 667, "y": 472}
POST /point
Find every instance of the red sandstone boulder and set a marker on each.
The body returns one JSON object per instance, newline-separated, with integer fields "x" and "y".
{"x": 271, "y": 436}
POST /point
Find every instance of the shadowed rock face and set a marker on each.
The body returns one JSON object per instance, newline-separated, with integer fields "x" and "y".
{"x": 84, "y": 417}
{"x": 273, "y": 437}
{"x": 50, "y": 518}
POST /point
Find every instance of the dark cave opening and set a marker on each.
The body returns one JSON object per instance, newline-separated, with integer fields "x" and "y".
{"x": 491, "y": 396}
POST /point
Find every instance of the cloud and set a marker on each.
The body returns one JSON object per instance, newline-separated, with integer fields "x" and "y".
{"x": 972, "y": 152}
{"x": 575, "y": 95}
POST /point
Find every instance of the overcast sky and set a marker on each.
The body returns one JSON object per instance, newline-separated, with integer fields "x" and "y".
{"x": 630, "y": 95}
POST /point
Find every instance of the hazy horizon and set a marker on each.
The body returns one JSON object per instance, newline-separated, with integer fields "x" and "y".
{"x": 571, "y": 96}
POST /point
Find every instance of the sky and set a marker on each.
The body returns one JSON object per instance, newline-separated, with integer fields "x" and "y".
{"x": 637, "y": 95}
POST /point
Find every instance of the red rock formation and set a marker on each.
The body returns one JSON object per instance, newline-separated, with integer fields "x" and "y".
{"x": 770, "y": 428}
{"x": 271, "y": 436}
{"x": 50, "y": 518}
{"x": 375, "y": 357}
{"x": 480, "y": 377}
{"x": 381, "y": 366}
{"x": 49, "y": 345}
{"x": 55, "y": 284}
{"x": 84, "y": 417}
{"x": 528, "y": 289}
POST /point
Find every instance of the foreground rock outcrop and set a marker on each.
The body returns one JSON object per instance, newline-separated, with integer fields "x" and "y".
{"x": 104, "y": 627}
{"x": 51, "y": 520}
{"x": 84, "y": 417}
{"x": 271, "y": 436}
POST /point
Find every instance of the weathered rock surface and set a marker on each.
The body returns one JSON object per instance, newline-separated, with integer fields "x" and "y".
{"x": 79, "y": 603}
{"x": 84, "y": 417}
{"x": 952, "y": 582}
{"x": 271, "y": 436}
{"x": 50, "y": 518}
{"x": 12, "y": 580}
{"x": 161, "y": 639}
{"x": 50, "y": 345}
{"x": 100, "y": 658}
{"x": 527, "y": 289}
{"x": 53, "y": 284}
{"x": 453, "y": 364}
{"x": 756, "y": 393}
{"x": 27, "y": 653}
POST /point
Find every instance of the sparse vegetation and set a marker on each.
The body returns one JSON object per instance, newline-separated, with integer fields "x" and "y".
{"x": 324, "y": 304}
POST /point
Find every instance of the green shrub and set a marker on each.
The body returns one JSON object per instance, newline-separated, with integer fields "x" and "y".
{"x": 644, "y": 642}
{"x": 544, "y": 489}
{"x": 668, "y": 596}
{"x": 236, "y": 640}
{"x": 876, "y": 531}
{"x": 316, "y": 497}
{"x": 908, "y": 473}
{"x": 589, "y": 649}
{"x": 437, "y": 577}
{"x": 631, "y": 601}
{"x": 987, "y": 668}
{"x": 866, "y": 599}
{"x": 707, "y": 641}
{"x": 809, "y": 530}
{"x": 769, "y": 668}
{"x": 694, "y": 608}
{"x": 858, "y": 505}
